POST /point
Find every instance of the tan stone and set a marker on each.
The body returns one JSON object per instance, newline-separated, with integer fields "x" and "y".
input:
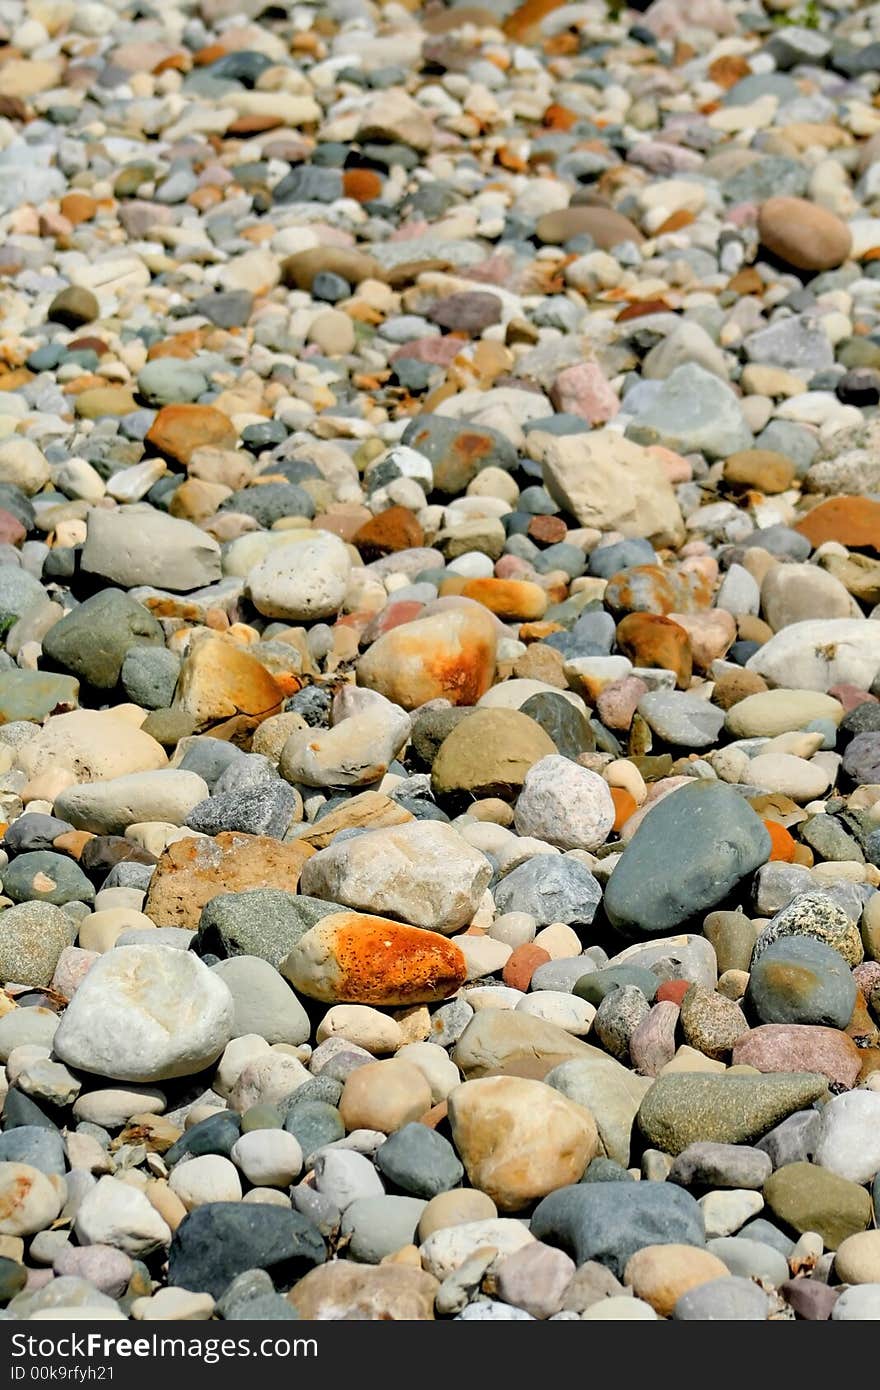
{"x": 384, "y": 1096}
{"x": 520, "y": 1139}
{"x": 194, "y": 870}
{"x": 660, "y": 1274}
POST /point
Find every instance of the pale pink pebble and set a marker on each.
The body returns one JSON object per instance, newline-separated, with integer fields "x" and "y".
{"x": 616, "y": 704}
{"x": 109, "y": 1269}
{"x": 37, "y": 1279}
{"x": 394, "y": 615}
{"x": 694, "y": 548}
{"x": 850, "y": 696}
{"x": 710, "y": 634}
{"x": 513, "y": 567}
{"x": 24, "y": 222}
{"x": 73, "y": 965}
{"x": 676, "y": 468}
{"x": 867, "y": 976}
{"x": 666, "y": 18}
{"x": 495, "y": 270}
{"x": 332, "y": 236}
{"x": 742, "y": 215}
{"x": 409, "y": 231}
{"x": 701, "y": 564}
{"x": 438, "y": 352}
{"x": 656, "y": 792}
{"x": 585, "y": 390}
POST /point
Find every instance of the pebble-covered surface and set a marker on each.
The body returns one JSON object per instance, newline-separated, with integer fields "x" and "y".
{"x": 440, "y": 670}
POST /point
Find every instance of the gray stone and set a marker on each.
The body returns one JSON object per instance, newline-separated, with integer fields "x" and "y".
{"x": 690, "y": 851}
{"x": 552, "y": 888}
{"x": 686, "y": 721}
{"x": 800, "y": 980}
{"x": 610, "y": 1221}
{"x": 380, "y": 1226}
{"x": 265, "y": 922}
{"x": 264, "y": 1002}
{"x": 692, "y": 412}
{"x": 723, "y": 1300}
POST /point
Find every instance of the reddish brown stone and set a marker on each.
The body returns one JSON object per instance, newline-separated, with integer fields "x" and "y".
{"x": 853, "y": 521}
{"x": 11, "y": 530}
{"x": 674, "y": 990}
{"x": 654, "y": 641}
{"x": 547, "y": 529}
{"x": 364, "y": 185}
{"x": 178, "y": 430}
{"x": 522, "y": 964}
{"x": 389, "y": 531}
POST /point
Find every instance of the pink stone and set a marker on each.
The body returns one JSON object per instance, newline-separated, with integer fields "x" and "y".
{"x": 850, "y": 696}
{"x": 584, "y": 390}
{"x": 667, "y": 18}
{"x": 393, "y": 616}
{"x": 652, "y": 1045}
{"x": 437, "y": 352}
{"x": 104, "y": 1266}
{"x": 513, "y": 567}
{"x": 710, "y": 633}
{"x": 616, "y": 703}
{"x": 11, "y": 530}
{"x": 790, "y": 1047}
{"x": 409, "y": 231}
{"x": 676, "y": 468}
{"x": 74, "y": 964}
{"x": 867, "y": 977}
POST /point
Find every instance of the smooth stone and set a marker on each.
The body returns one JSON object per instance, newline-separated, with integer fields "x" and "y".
{"x": 610, "y": 1222}
{"x": 686, "y": 1109}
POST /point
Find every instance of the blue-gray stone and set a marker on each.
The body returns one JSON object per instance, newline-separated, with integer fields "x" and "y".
{"x": 610, "y": 559}
{"x": 263, "y": 810}
{"x": 34, "y": 1144}
{"x": 149, "y": 676}
{"x": 214, "y": 1135}
{"x": 270, "y": 502}
{"x": 419, "y": 1161}
{"x": 168, "y": 381}
{"x": 594, "y": 987}
{"x": 380, "y": 1226}
{"x": 314, "y": 1123}
{"x": 566, "y": 725}
{"x": 800, "y": 980}
{"x": 93, "y": 640}
{"x": 266, "y": 922}
{"x": 42, "y": 876}
{"x": 33, "y": 831}
{"x": 217, "y": 1241}
{"x": 552, "y": 888}
{"x": 685, "y": 858}
{"x": 609, "y": 1222}
{"x": 794, "y": 1140}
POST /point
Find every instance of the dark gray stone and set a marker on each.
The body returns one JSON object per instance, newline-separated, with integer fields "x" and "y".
{"x": 217, "y": 1241}
{"x": 610, "y": 1221}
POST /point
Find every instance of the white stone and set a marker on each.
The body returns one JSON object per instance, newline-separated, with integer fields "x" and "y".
{"x": 354, "y": 753}
{"x": 206, "y": 1178}
{"x": 565, "y": 1010}
{"x": 446, "y": 1250}
{"x": 110, "y": 807}
{"x": 784, "y": 773}
{"x": 30, "y": 1200}
{"x": 565, "y": 805}
{"x": 302, "y": 581}
{"x": 436, "y": 1066}
{"x": 173, "y": 1305}
{"x": 146, "y": 1013}
{"x": 821, "y": 653}
{"x": 116, "y": 1213}
{"x": 849, "y": 1137}
{"x": 724, "y": 1212}
{"x": 619, "y": 1309}
{"x": 266, "y": 1079}
{"x": 369, "y": 1028}
{"x": 268, "y": 1157}
{"x": 114, "y": 1106}
{"x": 345, "y": 1176}
{"x": 860, "y": 1303}
{"x": 423, "y": 873}
{"x": 608, "y": 481}
{"x": 23, "y": 465}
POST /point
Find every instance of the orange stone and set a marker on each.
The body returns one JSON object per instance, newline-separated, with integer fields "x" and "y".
{"x": 508, "y": 598}
{"x": 448, "y": 655}
{"x": 625, "y": 805}
{"x": 389, "y": 531}
{"x": 654, "y": 641}
{"x": 364, "y": 185}
{"x": 221, "y": 684}
{"x": 78, "y": 207}
{"x": 178, "y": 430}
{"x": 729, "y": 69}
{"x": 852, "y": 521}
{"x": 182, "y": 345}
{"x": 674, "y": 990}
{"x": 782, "y": 843}
{"x": 72, "y": 842}
{"x": 522, "y": 964}
{"x": 523, "y": 24}
{"x": 356, "y": 958}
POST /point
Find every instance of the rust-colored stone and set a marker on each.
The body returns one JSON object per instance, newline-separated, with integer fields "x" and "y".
{"x": 649, "y": 639}
{"x": 387, "y": 532}
{"x": 178, "y": 430}
{"x": 853, "y": 521}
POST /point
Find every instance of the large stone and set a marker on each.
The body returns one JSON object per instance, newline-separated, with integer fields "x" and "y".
{"x": 218, "y": 1241}
{"x": 803, "y": 234}
{"x": 32, "y": 937}
{"x": 263, "y": 1003}
{"x": 565, "y": 805}
{"x": 179, "y": 430}
{"x": 423, "y": 873}
{"x": 788, "y": 1047}
{"x": 302, "y": 581}
{"x": 29, "y": 1199}
{"x": 607, "y": 481}
{"x": 772, "y": 712}
{"x": 448, "y": 655}
{"x": 134, "y": 545}
{"x": 192, "y": 871}
{"x": 519, "y": 1139}
{"x": 692, "y": 412}
{"x": 110, "y": 807}
{"x": 798, "y": 979}
{"x": 611, "y": 1221}
{"x": 93, "y": 745}
{"x": 349, "y": 957}
{"x": 223, "y": 685}
{"x": 690, "y": 851}
{"x": 686, "y": 1108}
{"x": 519, "y": 1044}
{"x": 92, "y": 640}
{"x": 809, "y": 1198}
{"x": 820, "y": 654}
{"x": 489, "y": 753}
{"x": 146, "y": 1013}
